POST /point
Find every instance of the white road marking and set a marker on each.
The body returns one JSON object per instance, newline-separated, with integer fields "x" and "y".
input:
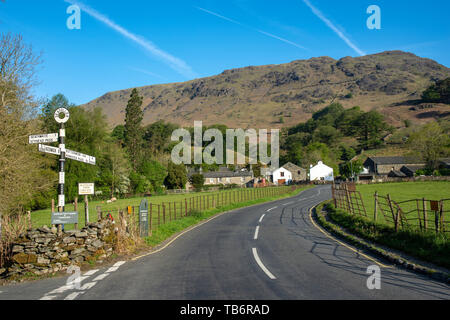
{"x": 286, "y": 204}
{"x": 118, "y": 264}
{"x": 272, "y": 209}
{"x": 261, "y": 265}
{"x": 256, "y": 233}
{"x": 101, "y": 277}
{"x": 262, "y": 217}
{"x": 88, "y": 286}
{"x": 112, "y": 269}
{"x": 61, "y": 289}
{"x": 45, "y": 298}
{"x": 74, "y": 295}
{"x": 90, "y": 273}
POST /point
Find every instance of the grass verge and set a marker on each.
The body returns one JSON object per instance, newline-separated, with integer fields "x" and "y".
{"x": 430, "y": 247}
{"x": 167, "y": 230}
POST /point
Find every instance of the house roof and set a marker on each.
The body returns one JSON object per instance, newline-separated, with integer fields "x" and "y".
{"x": 292, "y": 167}
{"x": 229, "y": 174}
{"x": 395, "y": 160}
{"x": 411, "y": 168}
{"x": 395, "y": 173}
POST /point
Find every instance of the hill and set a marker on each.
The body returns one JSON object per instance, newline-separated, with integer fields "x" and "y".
{"x": 282, "y": 95}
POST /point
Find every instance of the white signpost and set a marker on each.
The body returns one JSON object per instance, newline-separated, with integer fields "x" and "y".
{"x": 61, "y": 116}
{"x": 43, "y": 138}
{"x": 86, "y": 189}
{"x": 49, "y": 149}
{"x": 77, "y": 156}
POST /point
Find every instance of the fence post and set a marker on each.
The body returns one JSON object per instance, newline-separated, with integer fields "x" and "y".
{"x": 76, "y": 210}
{"x": 397, "y": 220}
{"x": 375, "y": 213}
{"x": 185, "y": 207}
{"x": 159, "y": 215}
{"x": 425, "y": 217}
{"x": 99, "y": 213}
{"x": 442, "y": 216}
{"x": 29, "y": 222}
{"x": 164, "y": 213}
{"x": 390, "y": 207}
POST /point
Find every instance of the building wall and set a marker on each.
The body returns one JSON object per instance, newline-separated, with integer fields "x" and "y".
{"x": 321, "y": 172}
{"x": 387, "y": 168}
{"x": 277, "y": 175}
{"x": 228, "y": 180}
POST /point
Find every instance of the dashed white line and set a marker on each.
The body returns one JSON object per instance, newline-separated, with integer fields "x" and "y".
{"x": 286, "y": 204}
{"x": 90, "y": 273}
{"x": 46, "y": 298}
{"x": 74, "y": 295}
{"x": 101, "y": 277}
{"x": 256, "y": 233}
{"x": 261, "y": 265}
{"x": 272, "y": 209}
{"x": 112, "y": 269}
{"x": 88, "y": 286}
{"x": 262, "y": 217}
{"x": 120, "y": 263}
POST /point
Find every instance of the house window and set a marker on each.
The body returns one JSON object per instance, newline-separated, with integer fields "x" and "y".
{"x": 211, "y": 180}
{"x": 242, "y": 179}
{"x": 228, "y": 180}
{"x": 282, "y": 174}
{"x": 299, "y": 172}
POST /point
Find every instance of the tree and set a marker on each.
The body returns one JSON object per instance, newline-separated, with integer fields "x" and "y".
{"x": 176, "y": 176}
{"x": 155, "y": 172}
{"x": 198, "y": 181}
{"x": 430, "y": 143}
{"x": 438, "y": 92}
{"x": 117, "y": 168}
{"x": 370, "y": 128}
{"x": 22, "y": 168}
{"x": 350, "y": 169}
{"x": 133, "y": 127}
{"x": 326, "y": 134}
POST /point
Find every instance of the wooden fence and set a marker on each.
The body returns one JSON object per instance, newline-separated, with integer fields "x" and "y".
{"x": 160, "y": 214}
{"x": 347, "y": 198}
{"x": 415, "y": 214}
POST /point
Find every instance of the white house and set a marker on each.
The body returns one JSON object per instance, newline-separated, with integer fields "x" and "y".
{"x": 321, "y": 172}
{"x": 282, "y": 176}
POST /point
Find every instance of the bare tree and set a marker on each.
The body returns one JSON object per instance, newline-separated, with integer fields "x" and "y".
{"x": 21, "y": 166}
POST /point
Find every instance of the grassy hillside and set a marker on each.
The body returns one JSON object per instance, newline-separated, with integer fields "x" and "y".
{"x": 259, "y": 97}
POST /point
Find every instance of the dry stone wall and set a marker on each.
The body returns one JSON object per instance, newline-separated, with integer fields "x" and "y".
{"x": 42, "y": 251}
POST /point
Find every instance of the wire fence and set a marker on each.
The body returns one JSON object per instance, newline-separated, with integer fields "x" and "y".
{"x": 421, "y": 215}
{"x": 166, "y": 212}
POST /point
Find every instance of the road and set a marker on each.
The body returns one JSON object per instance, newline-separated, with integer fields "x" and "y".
{"x": 271, "y": 251}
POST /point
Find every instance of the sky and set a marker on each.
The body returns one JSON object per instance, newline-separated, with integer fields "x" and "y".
{"x": 133, "y": 43}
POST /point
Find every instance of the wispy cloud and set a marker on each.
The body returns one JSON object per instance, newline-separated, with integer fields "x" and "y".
{"x": 175, "y": 63}
{"x": 341, "y": 35}
{"x": 149, "y": 73}
{"x": 254, "y": 29}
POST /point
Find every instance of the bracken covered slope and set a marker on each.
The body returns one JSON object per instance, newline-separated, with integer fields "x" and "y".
{"x": 279, "y": 95}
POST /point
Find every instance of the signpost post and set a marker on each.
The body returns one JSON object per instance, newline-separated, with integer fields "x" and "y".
{"x": 86, "y": 189}
{"x": 143, "y": 218}
{"x": 61, "y": 116}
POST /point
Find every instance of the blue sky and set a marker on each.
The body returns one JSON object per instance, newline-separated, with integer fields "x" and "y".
{"x": 124, "y": 44}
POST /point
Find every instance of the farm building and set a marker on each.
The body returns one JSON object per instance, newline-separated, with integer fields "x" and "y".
{"x": 391, "y": 165}
{"x": 282, "y": 176}
{"x": 225, "y": 176}
{"x": 321, "y": 172}
{"x": 298, "y": 174}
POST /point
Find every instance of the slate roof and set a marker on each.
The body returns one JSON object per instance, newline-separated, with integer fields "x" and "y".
{"x": 292, "y": 167}
{"x": 395, "y": 160}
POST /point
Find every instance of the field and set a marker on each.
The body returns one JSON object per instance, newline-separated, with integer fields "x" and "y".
{"x": 193, "y": 200}
{"x": 402, "y": 192}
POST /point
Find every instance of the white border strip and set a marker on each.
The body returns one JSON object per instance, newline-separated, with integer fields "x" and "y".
{"x": 261, "y": 265}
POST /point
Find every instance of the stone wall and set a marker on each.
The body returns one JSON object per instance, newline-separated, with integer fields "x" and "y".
{"x": 43, "y": 251}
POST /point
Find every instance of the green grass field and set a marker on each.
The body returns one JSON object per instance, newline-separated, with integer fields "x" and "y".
{"x": 401, "y": 192}
{"x": 43, "y": 217}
